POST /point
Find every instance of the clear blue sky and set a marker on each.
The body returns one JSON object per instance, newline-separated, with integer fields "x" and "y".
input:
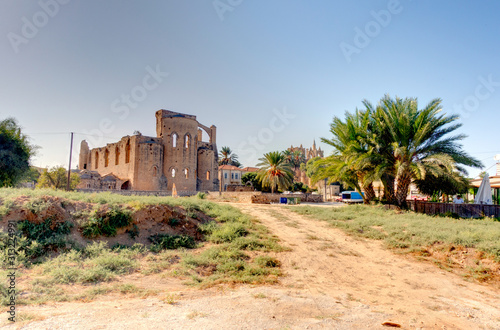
{"x": 68, "y": 66}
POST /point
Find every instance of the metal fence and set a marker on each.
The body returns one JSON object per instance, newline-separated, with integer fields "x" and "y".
{"x": 463, "y": 210}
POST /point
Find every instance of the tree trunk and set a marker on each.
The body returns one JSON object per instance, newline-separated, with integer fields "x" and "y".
{"x": 388, "y": 182}
{"x": 404, "y": 182}
{"x": 369, "y": 193}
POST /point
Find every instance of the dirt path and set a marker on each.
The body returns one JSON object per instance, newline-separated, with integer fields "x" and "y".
{"x": 332, "y": 281}
{"x": 326, "y": 262}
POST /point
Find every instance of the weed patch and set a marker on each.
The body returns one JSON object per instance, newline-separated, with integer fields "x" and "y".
{"x": 106, "y": 223}
{"x": 161, "y": 242}
{"x": 227, "y": 258}
{"x": 409, "y": 230}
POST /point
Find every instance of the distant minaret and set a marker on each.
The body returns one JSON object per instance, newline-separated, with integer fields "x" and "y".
{"x": 314, "y": 145}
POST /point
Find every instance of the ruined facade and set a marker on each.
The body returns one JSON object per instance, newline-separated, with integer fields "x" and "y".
{"x": 176, "y": 156}
{"x": 308, "y": 153}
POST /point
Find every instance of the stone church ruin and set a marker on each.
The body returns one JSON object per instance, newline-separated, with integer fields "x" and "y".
{"x": 176, "y": 157}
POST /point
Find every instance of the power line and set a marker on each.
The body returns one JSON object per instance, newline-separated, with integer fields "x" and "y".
{"x": 48, "y": 133}
{"x": 69, "y": 133}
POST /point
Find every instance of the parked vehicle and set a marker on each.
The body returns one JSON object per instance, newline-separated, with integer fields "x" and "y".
{"x": 351, "y": 197}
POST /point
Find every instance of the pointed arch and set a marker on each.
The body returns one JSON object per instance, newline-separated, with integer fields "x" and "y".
{"x": 117, "y": 155}
{"x": 175, "y": 137}
{"x": 127, "y": 152}
{"x": 106, "y": 157}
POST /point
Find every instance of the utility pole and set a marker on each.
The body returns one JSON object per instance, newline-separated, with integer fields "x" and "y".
{"x": 69, "y": 167}
{"x": 325, "y": 188}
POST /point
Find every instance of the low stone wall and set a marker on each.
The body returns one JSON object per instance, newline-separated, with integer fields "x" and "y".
{"x": 233, "y": 196}
{"x": 239, "y": 188}
{"x": 275, "y": 198}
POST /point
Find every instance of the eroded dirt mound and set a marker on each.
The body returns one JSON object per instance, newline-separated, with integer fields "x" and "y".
{"x": 146, "y": 221}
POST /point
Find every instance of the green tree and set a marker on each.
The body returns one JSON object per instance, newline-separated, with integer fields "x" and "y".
{"x": 299, "y": 186}
{"x": 421, "y": 145}
{"x": 294, "y": 158}
{"x": 437, "y": 185}
{"x": 227, "y": 157}
{"x": 350, "y": 162}
{"x": 275, "y": 172}
{"x": 311, "y": 167}
{"x": 397, "y": 143}
{"x": 31, "y": 176}
{"x": 251, "y": 177}
{"x": 15, "y": 153}
{"x": 57, "y": 178}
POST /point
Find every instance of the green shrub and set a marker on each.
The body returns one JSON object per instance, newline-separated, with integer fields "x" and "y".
{"x": 43, "y": 237}
{"x": 267, "y": 261}
{"x": 208, "y": 228}
{"x": 6, "y": 207}
{"x": 37, "y": 205}
{"x": 96, "y": 263}
{"x": 228, "y": 233}
{"x": 171, "y": 242}
{"x": 106, "y": 224}
{"x": 173, "y": 222}
{"x": 201, "y": 195}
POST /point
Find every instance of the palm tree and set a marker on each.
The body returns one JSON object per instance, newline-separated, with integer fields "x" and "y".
{"x": 295, "y": 159}
{"x": 419, "y": 142}
{"x": 396, "y": 143}
{"x": 227, "y": 157}
{"x": 275, "y": 171}
{"x": 352, "y": 160}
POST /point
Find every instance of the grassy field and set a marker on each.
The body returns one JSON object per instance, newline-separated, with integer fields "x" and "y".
{"x": 410, "y": 231}
{"x": 235, "y": 249}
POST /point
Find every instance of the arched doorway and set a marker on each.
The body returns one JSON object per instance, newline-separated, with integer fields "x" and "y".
{"x": 126, "y": 185}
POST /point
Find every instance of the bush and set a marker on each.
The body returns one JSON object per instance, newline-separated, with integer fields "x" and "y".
{"x": 96, "y": 263}
{"x": 266, "y": 261}
{"x": 43, "y": 237}
{"x": 106, "y": 224}
{"x": 228, "y": 233}
{"x": 37, "y": 205}
{"x": 173, "y": 222}
{"x": 171, "y": 242}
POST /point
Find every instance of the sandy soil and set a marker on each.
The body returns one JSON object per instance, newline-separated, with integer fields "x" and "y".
{"x": 332, "y": 281}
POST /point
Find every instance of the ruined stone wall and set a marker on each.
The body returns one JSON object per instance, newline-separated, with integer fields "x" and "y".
{"x": 179, "y": 135}
{"x": 207, "y": 170}
{"x": 176, "y": 156}
{"x": 133, "y": 159}
{"x": 148, "y": 172}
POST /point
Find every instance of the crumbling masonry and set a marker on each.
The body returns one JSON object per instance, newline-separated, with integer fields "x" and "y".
{"x": 177, "y": 156}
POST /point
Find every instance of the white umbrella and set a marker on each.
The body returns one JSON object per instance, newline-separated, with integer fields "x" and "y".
{"x": 484, "y": 192}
